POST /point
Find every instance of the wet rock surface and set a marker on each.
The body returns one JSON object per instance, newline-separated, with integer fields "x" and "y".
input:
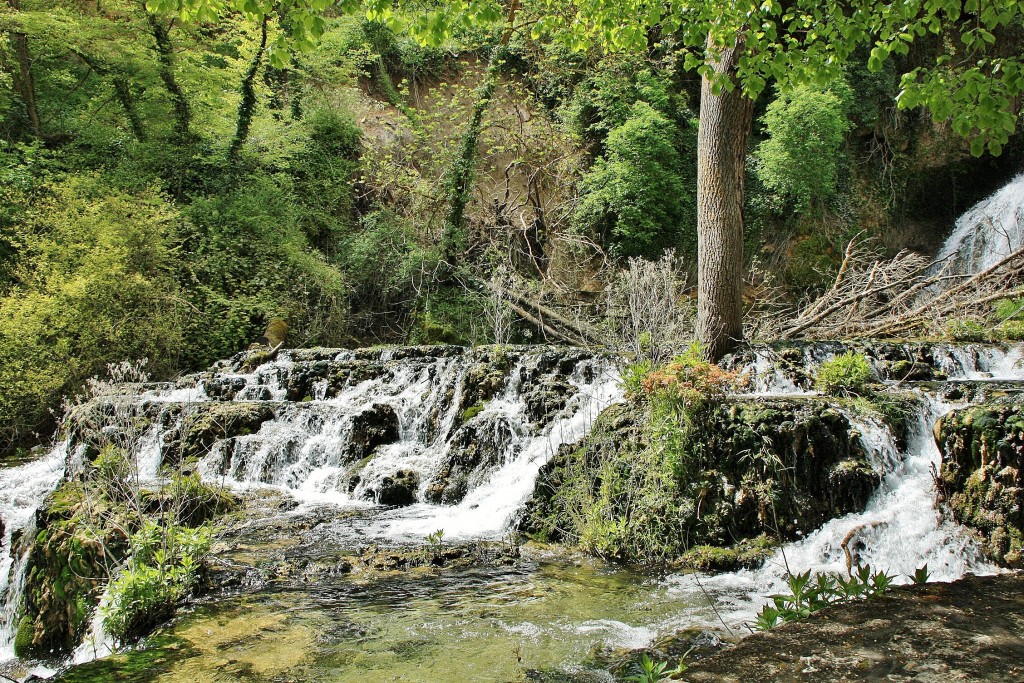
{"x": 969, "y": 630}
{"x": 981, "y": 479}
{"x": 778, "y": 467}
{"x": 375, "y": 426}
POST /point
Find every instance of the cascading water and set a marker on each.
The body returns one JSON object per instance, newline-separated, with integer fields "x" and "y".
{"x": 417, "y": 440}
{"x": 899, "y": 531}
{"x": 988, "y": 232}
{"x": 22, "y": 490}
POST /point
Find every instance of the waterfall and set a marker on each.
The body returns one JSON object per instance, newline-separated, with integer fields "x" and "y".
{"x": 900, "y": 529}
{"x": 988, "y": 232}
{"x": 22, "y": 490}
{"x": 443, "y": 437}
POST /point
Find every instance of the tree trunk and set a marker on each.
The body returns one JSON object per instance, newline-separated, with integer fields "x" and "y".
{"x": 24, "y": 82}
{"x": 123, "y": 90}
{"x": 247, "y": 107}
{"x": 725, "y": 121}
{"x": 165, "y": 52}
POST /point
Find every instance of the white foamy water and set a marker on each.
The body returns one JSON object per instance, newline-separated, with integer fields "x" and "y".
{"x": 312, "y": 449}
{"x": 22, "y": 490}
{"x": 899, "y": 531}
{"x": 987, "y": 233}
{"x": 490, "y": 506}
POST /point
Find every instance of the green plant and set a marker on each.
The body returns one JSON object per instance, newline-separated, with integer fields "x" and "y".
{"x": 847, "y": 374}
{"x": 638, "y": 197}
{"x": 966, "y": 330}
{"x": 436, "y": 539}
{"x": 805, "y": 129}
{"x": 164, "y": 569}
{"x": 808, "y": 594}
{"x": 633, "y": 377}
{"x": 649, "y": 671}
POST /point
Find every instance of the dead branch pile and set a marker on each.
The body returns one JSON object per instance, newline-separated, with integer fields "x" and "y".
{"x": 901, "y": 296}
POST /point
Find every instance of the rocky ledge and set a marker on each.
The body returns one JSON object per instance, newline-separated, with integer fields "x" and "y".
{"x": 969, "y": 630}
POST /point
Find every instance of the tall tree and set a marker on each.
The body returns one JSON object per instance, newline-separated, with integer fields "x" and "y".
{"x": 22, "y": 76}
{"x": 738, "y": 47}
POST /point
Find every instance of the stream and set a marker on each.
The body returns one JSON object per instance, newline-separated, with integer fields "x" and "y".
{"x": 386, "y": 446}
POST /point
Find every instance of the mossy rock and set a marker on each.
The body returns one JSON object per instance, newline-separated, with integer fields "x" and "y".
{"x": 714, "y": 493}
{"x": 981, "y": 479}
{"x": 67, "y": 566}
{"x": 205, "y": 424}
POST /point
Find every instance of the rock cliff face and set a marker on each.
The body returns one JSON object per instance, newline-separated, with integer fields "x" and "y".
{"x": 769, "y": 470}
{"x": 981, "y": 479}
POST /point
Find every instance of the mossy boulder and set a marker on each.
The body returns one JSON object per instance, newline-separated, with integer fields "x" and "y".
{"x": 371, "y": 428}
{"x": 68, "y": 560}
{"x": 745, "y": 476}
{"x": 981, "y": 479}
{"x": 202, "y": 425}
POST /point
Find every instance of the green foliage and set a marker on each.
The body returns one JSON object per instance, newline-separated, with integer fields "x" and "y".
{"x": 648, "y": 671}
{"x": 164, "y": 570}
{"x": 847, "y": 374}
{"x": 799, "y": 160}
{"x": 639, "y": 196}
{"x": 968, "y": 330}
{"x": 809, "y": 594}
{"x": 92, "y": 287}
{"x": 450, "y": 315}
{"x": 633, "y": 378}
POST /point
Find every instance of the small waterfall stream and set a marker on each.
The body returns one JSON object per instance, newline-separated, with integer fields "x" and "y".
{"x": 990, "y": 231}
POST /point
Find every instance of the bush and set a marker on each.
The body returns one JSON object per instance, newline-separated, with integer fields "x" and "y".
{"x": 93, "y": 288}
{"x": 640, "y": 198}
{"x": 689, "y": 383}
{"x": 964, "y": 330}
{"x": 805, "y": 130}
{"x": 846, "y": 374}
{"x": 165, "y": 568}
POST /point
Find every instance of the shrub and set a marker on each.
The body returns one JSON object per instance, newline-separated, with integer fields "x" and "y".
{"x": 640, "y": 197}
{"x": 689, "y": 383}
{"x": 634, "y": 376}
{"x": 165, "y": 568}
{"x": 964, "y": 330}
{"x": 93, "y": 288}
{"x": 805, "y": 130}
{"x": 846, "y": 374}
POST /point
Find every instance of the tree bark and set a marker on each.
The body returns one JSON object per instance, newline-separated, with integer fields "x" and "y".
{"x": 24, "y": 81}
{"x": 165, "y": 53}
{"x": 247, "y": 107}
{"x": 123, "y": 90}
{"x": 725, "y": 121}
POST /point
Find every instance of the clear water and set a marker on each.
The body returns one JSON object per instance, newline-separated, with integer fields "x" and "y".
{"x": 428, "y": 626}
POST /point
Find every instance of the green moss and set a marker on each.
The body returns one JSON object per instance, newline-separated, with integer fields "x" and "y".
{"x": 23, "y": 637}
{"x": 746, "y": 554}
{"x": 638, "y": 491}
{"x": 967, "y": 331}
{"x": 471, "y": 412}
